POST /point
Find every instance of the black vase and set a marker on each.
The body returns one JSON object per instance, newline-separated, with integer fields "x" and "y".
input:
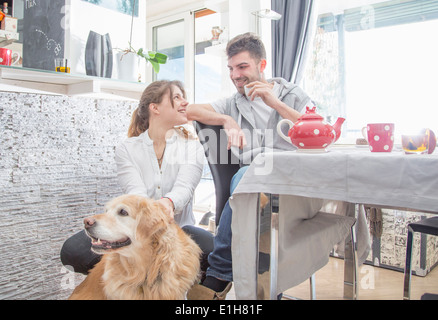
{"x": 98, "y": 55}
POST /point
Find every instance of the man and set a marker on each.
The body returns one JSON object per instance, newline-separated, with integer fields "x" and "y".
{"x": 250, "y": 118}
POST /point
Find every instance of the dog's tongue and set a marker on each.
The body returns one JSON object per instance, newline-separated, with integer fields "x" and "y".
{"x": 101, "y": 243}
{"x": 108, "y": 244}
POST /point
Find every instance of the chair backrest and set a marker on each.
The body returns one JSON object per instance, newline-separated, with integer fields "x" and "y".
{"x": 223, "y": 164}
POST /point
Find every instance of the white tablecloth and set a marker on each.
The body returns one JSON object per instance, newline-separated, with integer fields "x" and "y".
{"x": 349, "y": 175}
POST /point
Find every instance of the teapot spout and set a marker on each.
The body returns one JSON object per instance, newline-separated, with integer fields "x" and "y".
{"x": 337, "y": 126}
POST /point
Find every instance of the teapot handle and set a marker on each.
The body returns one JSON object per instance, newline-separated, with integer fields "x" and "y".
{"x": 280, "y": 133}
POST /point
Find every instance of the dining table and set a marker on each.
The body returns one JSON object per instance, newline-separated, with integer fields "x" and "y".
{"x": 344, "y": 179}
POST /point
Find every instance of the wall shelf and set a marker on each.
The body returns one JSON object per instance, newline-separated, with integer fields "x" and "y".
{"x": 51, "y": 82}
{"x": 7, "y": 37}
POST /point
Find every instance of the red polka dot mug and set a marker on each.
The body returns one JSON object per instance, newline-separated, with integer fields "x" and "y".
{"x": 380, "y": 136}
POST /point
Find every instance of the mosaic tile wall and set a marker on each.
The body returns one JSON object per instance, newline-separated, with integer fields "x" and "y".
{"x": 56, "y": 167}
{"x": 390, "y": 249}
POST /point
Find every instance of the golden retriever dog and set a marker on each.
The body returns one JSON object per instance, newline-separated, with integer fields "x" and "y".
{"x": 146, "y": 255}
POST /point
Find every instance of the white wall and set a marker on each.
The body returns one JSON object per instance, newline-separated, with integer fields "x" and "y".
{"x": 83, "y": 16}
{"x": 242, "y": 19}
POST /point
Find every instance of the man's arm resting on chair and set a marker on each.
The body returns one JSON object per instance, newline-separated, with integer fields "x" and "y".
{"x": 207, "y": 115}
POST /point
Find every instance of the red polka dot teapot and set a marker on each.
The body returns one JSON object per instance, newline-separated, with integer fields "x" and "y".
{"x": 311, "y": 132}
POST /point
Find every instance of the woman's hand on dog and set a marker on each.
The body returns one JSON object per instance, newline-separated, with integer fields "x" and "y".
{"x": 168, "y": 206}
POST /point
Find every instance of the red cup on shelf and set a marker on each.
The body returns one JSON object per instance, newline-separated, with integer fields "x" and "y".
{"x": 7, "y": 57}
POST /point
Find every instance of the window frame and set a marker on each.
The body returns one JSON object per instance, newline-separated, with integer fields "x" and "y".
{"x": 189, "y": 47}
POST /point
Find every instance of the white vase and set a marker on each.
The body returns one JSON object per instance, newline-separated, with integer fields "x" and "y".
{"x": 128, "y": 66}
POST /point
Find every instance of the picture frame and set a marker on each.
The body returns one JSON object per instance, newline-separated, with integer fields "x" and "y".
{"x": 123, "y": 6}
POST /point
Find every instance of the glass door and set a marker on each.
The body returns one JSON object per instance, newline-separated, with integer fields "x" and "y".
{"x": 173, "y": 36}
{"x": 169, "y": 39}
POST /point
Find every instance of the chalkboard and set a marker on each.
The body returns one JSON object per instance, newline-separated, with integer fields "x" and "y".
{"x": 44, "y": 33}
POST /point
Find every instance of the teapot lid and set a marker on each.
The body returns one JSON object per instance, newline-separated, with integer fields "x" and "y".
{"x": 311, "y": 114}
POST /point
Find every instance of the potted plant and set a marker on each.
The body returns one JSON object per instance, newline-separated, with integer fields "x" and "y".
{"x": 153, "y": 57}
{"x": 129, "y": 58}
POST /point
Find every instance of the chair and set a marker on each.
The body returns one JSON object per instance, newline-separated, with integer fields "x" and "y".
{"x": 427, "y": 226}
{"x": 223, "y": 165}
{"x": 323, "y": 228}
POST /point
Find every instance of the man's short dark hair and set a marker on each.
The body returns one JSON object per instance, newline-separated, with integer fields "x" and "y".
{"x": 247, "y": 42}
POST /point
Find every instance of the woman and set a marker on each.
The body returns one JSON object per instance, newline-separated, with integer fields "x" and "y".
{"x": 159, "y": 160}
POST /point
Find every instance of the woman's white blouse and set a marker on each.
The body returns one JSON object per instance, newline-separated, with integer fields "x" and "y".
{"x": 138, "y": 171}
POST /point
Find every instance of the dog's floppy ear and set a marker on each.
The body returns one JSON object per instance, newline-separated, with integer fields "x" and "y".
{"x": 151, "y": 219}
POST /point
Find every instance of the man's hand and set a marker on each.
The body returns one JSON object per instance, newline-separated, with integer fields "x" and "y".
{"x": 236, "y": 137}
{"x": 264, "y": 91}
{"x": 206, "y": 114}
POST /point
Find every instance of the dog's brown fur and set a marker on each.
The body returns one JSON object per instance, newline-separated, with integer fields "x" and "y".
{"x": 161, "y": 261}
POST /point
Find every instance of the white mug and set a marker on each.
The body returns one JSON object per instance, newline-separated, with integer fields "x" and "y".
{"x": 17, "y": 57}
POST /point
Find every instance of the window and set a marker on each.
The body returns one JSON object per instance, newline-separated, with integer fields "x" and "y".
{"x": 375, "y": 62}
{"x": 173, "y": 36}
{"x": 169, "y": 39}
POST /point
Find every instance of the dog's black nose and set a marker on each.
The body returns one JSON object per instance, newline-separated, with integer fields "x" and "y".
{"x": 89, "y": 222}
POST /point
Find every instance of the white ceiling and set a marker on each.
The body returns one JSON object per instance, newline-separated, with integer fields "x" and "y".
{"x": 158, "y": 7}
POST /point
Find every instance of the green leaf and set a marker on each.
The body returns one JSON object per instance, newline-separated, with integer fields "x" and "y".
{"x": 159, "y": 57}
{"x": 155, "y": 65}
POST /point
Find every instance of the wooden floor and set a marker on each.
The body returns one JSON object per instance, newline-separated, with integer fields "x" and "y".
{"x": 374, "y": 284}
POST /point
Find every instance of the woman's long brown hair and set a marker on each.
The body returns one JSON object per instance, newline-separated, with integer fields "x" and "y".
{"x": 154, "y": 93}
